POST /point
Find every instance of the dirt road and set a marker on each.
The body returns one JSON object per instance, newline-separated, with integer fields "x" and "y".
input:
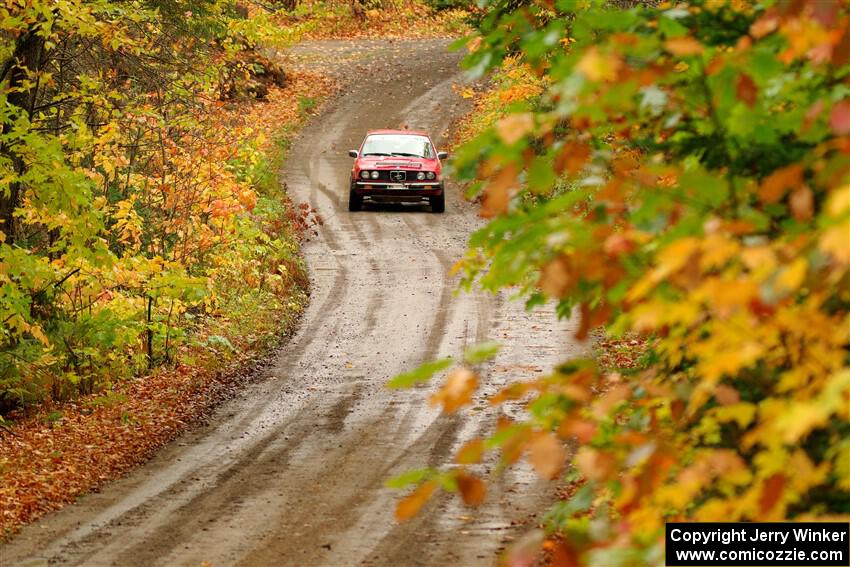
{"x": 292, "y": 472}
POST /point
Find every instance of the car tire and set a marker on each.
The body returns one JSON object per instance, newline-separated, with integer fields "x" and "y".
{"x": 355, "y": 201}
{"x": 438, "y": 204}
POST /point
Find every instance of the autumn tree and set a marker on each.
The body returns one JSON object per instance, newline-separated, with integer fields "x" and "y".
{"x": 123, "y": 190}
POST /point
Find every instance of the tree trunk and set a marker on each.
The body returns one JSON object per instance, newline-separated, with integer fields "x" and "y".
{"x": 357, "y": 10}
{"x": 25, "y": 62}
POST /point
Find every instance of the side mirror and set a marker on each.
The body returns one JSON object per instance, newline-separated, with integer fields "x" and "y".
{"x": 353, "y": 153}
{"x": 442, "y": 155}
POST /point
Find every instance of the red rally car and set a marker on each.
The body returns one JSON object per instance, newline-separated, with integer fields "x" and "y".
{"x": 397, "y": 166}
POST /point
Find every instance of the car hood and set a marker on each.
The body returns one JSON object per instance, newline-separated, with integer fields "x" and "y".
{"x": 396, "y": 162}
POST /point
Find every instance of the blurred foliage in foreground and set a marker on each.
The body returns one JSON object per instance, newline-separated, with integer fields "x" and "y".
{"x": 684, "y": 175}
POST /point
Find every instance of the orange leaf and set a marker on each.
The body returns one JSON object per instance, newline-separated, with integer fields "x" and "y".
{"x": 683, "y": 46}
{"x": 513, "y": 127}
{"x": 726, "y": 395}
{"x": 594, "y": 464}
{"x": 618, "y": 244}
{"x": 611, "y": 398}
{"x": 771, "y": 492}
{"x": 497, "y": 194}
{"x": 526, "y": 550}
{"x": 839, "y": 118}
{"x": 472, "y": 489}
{"x": 457, "y": 391}
{"x": 841, "y": 52}
{"x": 546, "y": 454}
{"x": 746, "y": 90}
{"x": 592, "y": 318}
{"x": 765, "y": 24}
{"x": 802, "y": 203}
{"x": 584, "y": 431}
{"x": 561, "y": 554}
{"x": 584, "y": 322}
{"x": 512, "y": 392}
{"x": 777, "y": 183}
{"x": 556, "y": 278}
{"x": 410, "y": 505}
{"x": 572, "y": 157}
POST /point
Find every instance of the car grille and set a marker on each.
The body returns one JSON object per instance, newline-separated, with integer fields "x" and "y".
{"x": 384, "y": 175}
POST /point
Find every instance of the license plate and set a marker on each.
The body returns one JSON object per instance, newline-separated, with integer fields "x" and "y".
{"x": 395, "y": 186}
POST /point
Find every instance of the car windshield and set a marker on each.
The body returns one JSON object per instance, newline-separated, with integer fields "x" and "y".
{"x": 409, "y": 145}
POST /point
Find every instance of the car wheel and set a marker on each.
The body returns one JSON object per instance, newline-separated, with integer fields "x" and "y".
{"x": 355, "y": 201}
{"x": 438, "y": 204}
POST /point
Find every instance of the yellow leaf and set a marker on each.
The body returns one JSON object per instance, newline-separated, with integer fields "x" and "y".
{"x": 799, "y": 420}
{"x": 741, "y": 413}
{"x": 806, "y": 473}
{"x": 36, "y": 332}
{"x": 670, "y": 260}
{"x": 717, "y": 249}
{"x": 838, "y": 202}
{"x": 835, "y": 241}
{"x": 676, "y": 255}
{"x": 599, "y": 66}
{"x": 791, "y": 278}
{"x": 719, "y": 357}
{"x": 760, "y": 260}
{"x": 471, "y": 452}
{"x": 727, "y": 296}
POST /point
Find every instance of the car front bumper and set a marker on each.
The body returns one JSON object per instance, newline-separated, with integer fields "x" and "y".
{"x": 400, "y": 190}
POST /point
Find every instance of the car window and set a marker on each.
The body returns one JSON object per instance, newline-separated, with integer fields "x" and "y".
{"x": 398, "y": 145}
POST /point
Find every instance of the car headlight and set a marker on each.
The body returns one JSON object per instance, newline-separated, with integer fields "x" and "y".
{"x": 432, "y": 175}
{"x": 420, "y": 176}
{"x": 364, "y": 174}
{"x": 374, "y": 175}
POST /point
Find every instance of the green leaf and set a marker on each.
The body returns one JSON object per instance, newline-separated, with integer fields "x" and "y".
{"x": 416, "y": 476}
{"x": 670, "y": 27}
{"x": 422, "y": 373}
{"x": 481, "y": 352}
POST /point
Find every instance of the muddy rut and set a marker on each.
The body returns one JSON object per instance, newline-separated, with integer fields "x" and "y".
{"x": 291, "y": 473}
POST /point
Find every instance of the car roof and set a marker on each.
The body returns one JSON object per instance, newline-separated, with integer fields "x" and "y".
{"x": 391, "y": 131}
